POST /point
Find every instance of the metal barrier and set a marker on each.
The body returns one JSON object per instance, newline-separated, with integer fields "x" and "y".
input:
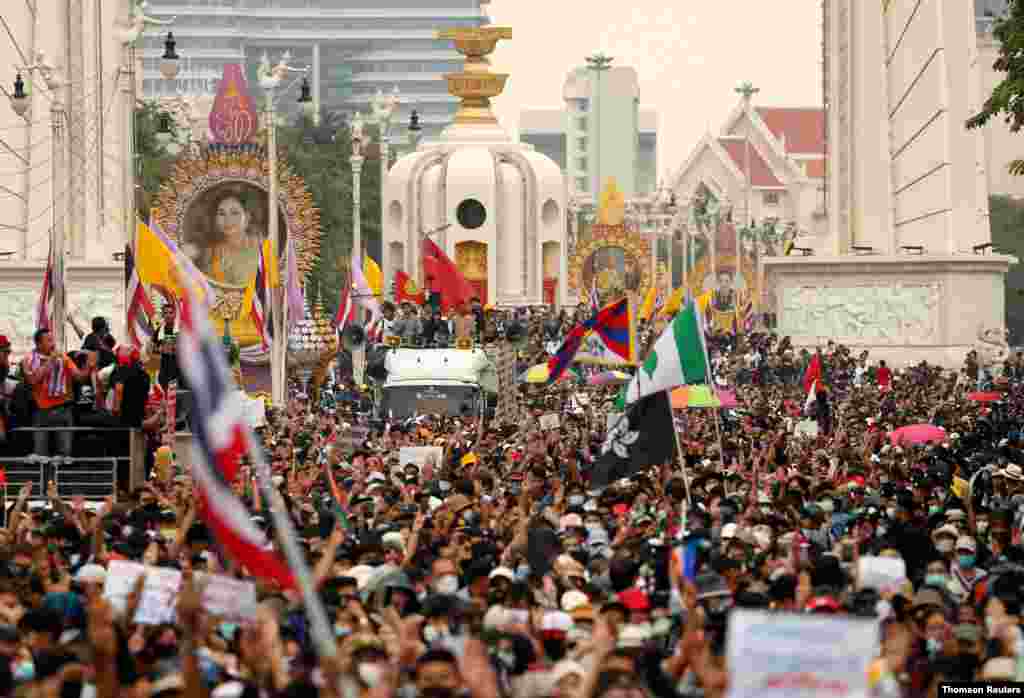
{"x": 92, "y": 478}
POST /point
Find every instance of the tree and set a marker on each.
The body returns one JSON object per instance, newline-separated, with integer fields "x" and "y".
{"x": 320, "y": 155}
{"x": 1007, "y": 97}
{"x": 153, "y": 162}
{"x": 1007, "y": 222}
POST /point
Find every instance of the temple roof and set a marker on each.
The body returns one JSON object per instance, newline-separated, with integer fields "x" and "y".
{"x": 761, "y": 174}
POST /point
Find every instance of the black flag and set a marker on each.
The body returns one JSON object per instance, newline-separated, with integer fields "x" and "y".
{"x": 640, "y": 439}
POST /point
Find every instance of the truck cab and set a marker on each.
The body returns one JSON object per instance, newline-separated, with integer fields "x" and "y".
{"x": 452, "y": 382}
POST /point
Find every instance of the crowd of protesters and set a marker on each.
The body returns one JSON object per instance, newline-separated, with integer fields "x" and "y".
{"x": 495, "y": 570}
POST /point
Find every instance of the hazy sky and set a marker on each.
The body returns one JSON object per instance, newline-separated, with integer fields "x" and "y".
{"x": 689, "y": 55}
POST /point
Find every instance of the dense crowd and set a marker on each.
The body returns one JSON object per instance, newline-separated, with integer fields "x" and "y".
{"x": 490, "y": 567}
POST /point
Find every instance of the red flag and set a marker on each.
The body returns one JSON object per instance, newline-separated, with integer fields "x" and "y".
{"x": 446, "y": 277}
{"x": 406, "y": 289}
{"x": 813, "y": 373}
{"x": 346, "y": 309}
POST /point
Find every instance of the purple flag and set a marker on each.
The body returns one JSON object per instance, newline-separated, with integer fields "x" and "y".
{"x": 296, "y": 299}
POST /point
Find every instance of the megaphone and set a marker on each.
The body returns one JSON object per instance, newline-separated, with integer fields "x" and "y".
{"x": 353, "y": 337}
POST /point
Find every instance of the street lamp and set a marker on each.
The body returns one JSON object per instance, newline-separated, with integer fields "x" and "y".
{"x": 415, "y": 130}
{"x": 306, "y": 98}
{"x": 19, "y": 100}
{"x": 170, "y": 62}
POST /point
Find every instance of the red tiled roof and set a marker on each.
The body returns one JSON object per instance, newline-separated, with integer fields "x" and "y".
{"x": 816, "y": 169}
{"x": 761, "y": 174}
{"x": 803, "y": 129}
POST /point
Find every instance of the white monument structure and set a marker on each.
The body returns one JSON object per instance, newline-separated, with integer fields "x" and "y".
{"x": 496, "y": 207}
{"x": 909, "y": 273}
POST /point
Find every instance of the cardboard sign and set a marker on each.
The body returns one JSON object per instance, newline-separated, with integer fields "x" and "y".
{"x": 419, "y": 455}
{"x": 799, "y": 656}
{"x": 232, "y": 599}
{"x": 549, "y": 422}
{"x": 881, "y": 573}
{"x": 807, "y": 427}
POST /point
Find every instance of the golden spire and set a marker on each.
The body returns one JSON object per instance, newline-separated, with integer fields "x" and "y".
{"x": 476, "y": 85}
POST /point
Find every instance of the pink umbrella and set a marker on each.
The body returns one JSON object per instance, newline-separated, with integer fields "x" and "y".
{"x": 917, "y": 434}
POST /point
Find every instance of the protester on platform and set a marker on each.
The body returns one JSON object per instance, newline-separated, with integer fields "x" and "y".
{"x": 50, "y": 374}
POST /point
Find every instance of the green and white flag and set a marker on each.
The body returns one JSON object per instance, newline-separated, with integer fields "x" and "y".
{"x": 678, "y": 358}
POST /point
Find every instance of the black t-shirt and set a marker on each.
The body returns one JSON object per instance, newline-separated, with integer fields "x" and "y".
{"x": 136, "y": 392}
{"x": 169, "y": 371}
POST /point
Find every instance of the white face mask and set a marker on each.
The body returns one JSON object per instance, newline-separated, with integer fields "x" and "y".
{"x": 370, "y": 674}
{"x": 448, "y": 584}
{"x": 944, "y": 546}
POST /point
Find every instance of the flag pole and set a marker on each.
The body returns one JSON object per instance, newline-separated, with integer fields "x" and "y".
{"x": 284, "y": 532}
{"x": 679, "y": 447}
{"x": 711, "y": 384}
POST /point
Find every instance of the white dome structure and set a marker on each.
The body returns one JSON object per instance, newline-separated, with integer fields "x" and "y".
{"x": 496, "y": 207}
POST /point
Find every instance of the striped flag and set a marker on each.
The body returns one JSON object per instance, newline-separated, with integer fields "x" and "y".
{"x": 44, "y": 306}
{"x": 140, "y": 311}
{"x": 595, "y": 297}
{"x": 221, "y": 437}
{"x": 346, "y": 308}
{"x": 262, "y": 311}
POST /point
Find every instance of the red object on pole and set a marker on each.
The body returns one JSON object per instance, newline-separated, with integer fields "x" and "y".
{"x": 447, "y": 279}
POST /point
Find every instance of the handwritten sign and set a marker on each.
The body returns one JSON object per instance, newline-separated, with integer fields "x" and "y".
{"x": 228, "y": 598}
{"x": 799, "y": 656}
{"x": 233, "y": 119}
{"x": 549, "y": 421}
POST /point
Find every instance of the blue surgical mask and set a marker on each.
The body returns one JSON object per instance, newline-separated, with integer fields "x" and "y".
{"x": 935, "y": 580}
{"x": 933, "y": 645}
{"x": 522, "y": 572}
{"x": 228, "y": 630}
{"x": 24, "y": 671}
{"x": 966, "y": 561}
{"x": 576, "y": 500}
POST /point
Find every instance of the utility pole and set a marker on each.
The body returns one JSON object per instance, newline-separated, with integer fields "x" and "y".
{"x": 600, "y": 64}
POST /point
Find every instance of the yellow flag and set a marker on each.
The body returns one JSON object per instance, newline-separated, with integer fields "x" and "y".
{"x": 373, "y": 275}
{"x": 647, "y": 309}
{"x": 155, "y": 260}
{"x": 273, "y": 272}
{"x": 704, "y": 300}
{"x": 674, "y": 302}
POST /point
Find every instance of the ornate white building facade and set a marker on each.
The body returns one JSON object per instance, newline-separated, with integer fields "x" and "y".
{"x": 73, "y": 177}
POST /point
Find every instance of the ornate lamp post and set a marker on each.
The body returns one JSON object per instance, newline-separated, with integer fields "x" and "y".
{"x": 270, "y": 80}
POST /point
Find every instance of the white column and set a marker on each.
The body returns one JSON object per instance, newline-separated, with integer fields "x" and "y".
{"x": 61, "y": 204}
{"x": 316, "y": 83}
{"x": 279, "y": 371}
{"x": 357, "y": 221}
{"x": 128, "y": 143}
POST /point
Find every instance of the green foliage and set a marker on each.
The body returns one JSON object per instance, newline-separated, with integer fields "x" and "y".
{"x": 1007, "y": 223}
{"x": 1007, "y": 97}
{"x": 320, "y": 155}
{"x": 152, "y": 160}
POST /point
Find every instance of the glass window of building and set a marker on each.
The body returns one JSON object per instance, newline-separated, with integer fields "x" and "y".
{"x": 583, "y": 105}
{"x": 581, "y": 143}
{"x": 581, "y": 183}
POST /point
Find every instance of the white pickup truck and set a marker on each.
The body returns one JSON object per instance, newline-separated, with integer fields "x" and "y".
{"x": 454, "y": 382}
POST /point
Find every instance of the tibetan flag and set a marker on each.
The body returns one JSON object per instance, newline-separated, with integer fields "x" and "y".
{"x": 406, "y": 290}
{"x": 373, "y": 274}
{"x": 677, "y": 358}
{"x": 611, "y": 324}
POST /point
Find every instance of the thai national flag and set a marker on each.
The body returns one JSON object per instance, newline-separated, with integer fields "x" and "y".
{"x": 44, "y": 306}
{"x": 221, "y": 437}
{"x": 140, "y": 313}
{"x": 262, "y": 312}
{"x": 346, "y": 307}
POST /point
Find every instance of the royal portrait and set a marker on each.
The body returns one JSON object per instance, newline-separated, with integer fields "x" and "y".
{"x": 224, "y": 229}
{"x": 613, "y": 270}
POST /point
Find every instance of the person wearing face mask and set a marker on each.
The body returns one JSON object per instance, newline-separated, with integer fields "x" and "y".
{"x": 437, "y": 675}
{"x": 964, "y": 570}
{"x": 444, "y": 578}
{"x": 945, "y": 538}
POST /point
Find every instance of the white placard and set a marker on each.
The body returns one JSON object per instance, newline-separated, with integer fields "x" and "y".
{"x": 254, "y": 410}
{"x": 807, "y": 427}
{"x": 612, "y": 419}
{"x": 881, "y": 573}
{"x": 799, "y": 656}
{"x": 158, "y": 595}
{"x": 232, "y": 599}
{"x": 418, "y": 455}
{"x": 549, "y": 422}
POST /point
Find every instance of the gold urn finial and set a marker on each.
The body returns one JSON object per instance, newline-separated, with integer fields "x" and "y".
{"x": 476, "y": 85}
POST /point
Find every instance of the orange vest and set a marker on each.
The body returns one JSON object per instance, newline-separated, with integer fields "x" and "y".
{"x": 41, "y": 390}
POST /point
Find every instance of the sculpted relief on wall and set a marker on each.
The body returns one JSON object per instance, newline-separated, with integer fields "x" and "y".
{"x": 862, "y": 314}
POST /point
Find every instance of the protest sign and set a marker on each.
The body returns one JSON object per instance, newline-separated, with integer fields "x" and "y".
{"x": 232, "y": 599}
{"x": 881, "y": 573}
{"x": 799, "y": 656}
{"x": 156, "y": 606}
{"x": 549, "y": 421}
{"x": 418, "y": 455}
{"x": 807, "y": 427}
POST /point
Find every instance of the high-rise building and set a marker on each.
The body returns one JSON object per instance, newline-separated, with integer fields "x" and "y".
{"x": 353, "y": 48}
{"x": 601, "y": 132}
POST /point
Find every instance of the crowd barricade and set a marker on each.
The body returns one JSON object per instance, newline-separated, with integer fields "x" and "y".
{"x": 105, "y": 451}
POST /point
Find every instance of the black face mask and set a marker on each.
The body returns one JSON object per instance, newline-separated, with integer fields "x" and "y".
{"x": 436, "y": 692}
